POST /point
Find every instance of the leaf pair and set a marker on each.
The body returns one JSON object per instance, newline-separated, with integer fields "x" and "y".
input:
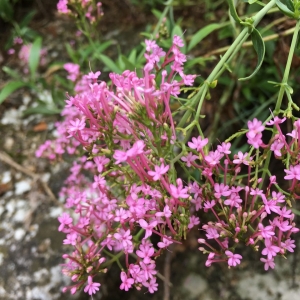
{"x": 258, "y": 43}
{"x": 288, "y": 8}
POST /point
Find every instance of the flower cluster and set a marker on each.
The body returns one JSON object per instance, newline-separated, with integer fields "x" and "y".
{"x": 24, "y": 53}
{"x": 124, "y": 187}
{"x": 243, "y": 211}
{"x": 128, "y": 132}
{"x": 92, "y": 9}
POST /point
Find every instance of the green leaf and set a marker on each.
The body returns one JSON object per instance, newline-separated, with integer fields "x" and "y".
{"x": 289, "y": 4}
{"x": 72, "y": 53}
{"x": 128, "y": 65}
{"x": 285, "y": 9}
{"x": 34, "y": 56}
{"x": 103, "y": 46}
{"x": 10, "y": 87}
{"x": 132, "y": 56}
{"x": 259, "y": 47}
{"x": 26, "y": 20}
{"x": 233, "y": 12}
{"x": 109, "y": 63}
{"x": 201, "y": 34}
{"x": 6, "y": 10}
{"x": 14, "y": 74}
{"x": 156, "y": 13}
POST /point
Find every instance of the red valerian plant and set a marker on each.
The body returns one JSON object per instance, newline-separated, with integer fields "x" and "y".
{"x": 125, "y": 136}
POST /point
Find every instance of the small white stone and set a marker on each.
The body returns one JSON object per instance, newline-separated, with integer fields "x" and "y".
{"x": 11, "y": 116}
{"x": 20, "y": 215}
{"x": 22, "y": 187}
{"x": 195, "y": 284}
{"x": 19, "y": 234}
{"x": 40, "y": 293}
{"x": 6, "y": 177}
{"x": 45, "y": 177}
{"x": 55, "y": 212}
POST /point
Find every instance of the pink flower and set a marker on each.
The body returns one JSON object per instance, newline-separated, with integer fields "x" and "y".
{"x": 73, "y": 70}
{"x": 165, "y": 243}
{"x": 288, "y": 245}
{"x": 120, "y": 156}
{"x": 178, "y": 41}
{"x": 76, "y": 125}
{"x": 124, "y": 237}
{"x": 224, "y": 148}
{"x": 136, "y": 149}
{"x": 159, "y": 171}
{"x": 145, "y": 252}
{"x": 213, "y": 158}
{"x": 198, "y": 143}
{"x": 270, "y": 250}
{"x": 276, "y": 120}
{"x": 210, "y": 258}
{"x": 269, "y": 263}
{"x": 62, "y": 7}
{"x": 255, "y": 127}
{"x": 179, "y": 192}
{"x": 293, "y": 173}
{"x": 234, "y": 200}
{"x": 151, "y": 285}
{"x": 276, "y": 146}
{"x": 147, "y": 227}
{"x": 92, "y": 287}
{"x": 166, "y": 212}
{"x": 212, "y": 233}
{"x": 221, "y": 190}
{"x": 149, "y": 270}
{"x": 241, "y": 158}
{"x": 234, "y": 259}
{"x": 266, "y": 232}
{"x": 193, "y": 222}
{"x": 189, "y": 158}
{"x": 64, "y": 219}
{"x": 126, "y": 282}
{"x": 254, "y": 134}
{"x": 209, "y": 204}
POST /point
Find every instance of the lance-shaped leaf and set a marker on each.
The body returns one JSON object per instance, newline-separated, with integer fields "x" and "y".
{"x": 9, "y": 88}
{"x": 201, "y": 34}
{"x": 289, "y": 4}
{"x": 34, "y": 56}
{"x": 259, "y": 47}
{"x": 233, "y": 12}
{"x": 287, "y": 9}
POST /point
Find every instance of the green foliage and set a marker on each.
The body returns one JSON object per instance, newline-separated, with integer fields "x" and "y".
{"x": 9, "y": 88}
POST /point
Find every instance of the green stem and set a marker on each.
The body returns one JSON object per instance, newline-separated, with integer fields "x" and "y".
{"x": 237, "y": 44}
{"x": 281, "y": 93}
{"x": 115, "y": 258}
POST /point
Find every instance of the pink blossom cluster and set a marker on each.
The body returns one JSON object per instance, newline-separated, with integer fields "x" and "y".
{"x": 127, "y": 131}
{"x": 247, "y": 214}
{"x": 124, "y": 188}
{"x": 24, "y": 54}
{"x": 92, "y": 9}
